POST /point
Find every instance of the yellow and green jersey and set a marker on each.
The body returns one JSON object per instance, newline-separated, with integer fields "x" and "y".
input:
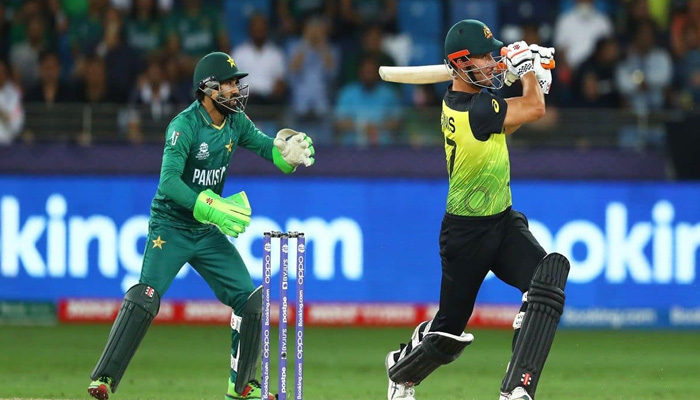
{"x": 196, "y": 157}
{"x": 477, "y": 154}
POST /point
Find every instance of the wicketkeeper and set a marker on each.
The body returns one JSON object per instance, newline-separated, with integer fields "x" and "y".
{"x": 480, "y": 231}
{"x": 190, "y": 221}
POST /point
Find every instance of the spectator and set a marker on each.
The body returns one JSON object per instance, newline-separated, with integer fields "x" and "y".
{"x": 595, "y": 82}
{"x": 367, "y": 111}
{"x": 194, "y": 32}
{"x": 312, "y": 70}
{"x": 122, "y": 62}
{"x": 50, "y": 89}
{"x": 151, "y": 101}
{"x": 645, "y": 74}
{"x": 86, "y": 30}
{"x": 575, "y": 35}
{"x": 24, "y": 56}
{"x": 11, "y": 111}
{"x": 4, "y": 34}
{"x": 371, "y": 47}
{"x": 688, "y": 68}
{"x": 517, "y": 14}
{"x": 357, "y": 13}
{"x": 691, "y": 16}
{"x": 290, "y": 12}
{"x": 144, "y": 30}
{"x": 643, "y": 78}
{"x": 265, "y": 61}
{"x": 93, "y": 86}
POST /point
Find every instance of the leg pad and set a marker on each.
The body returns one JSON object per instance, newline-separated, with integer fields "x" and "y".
{"x": 140, "y": 306}
{"x": 545, "y": 304}
{"x": 251, "y": 341}
{"x": 436, "y": 349}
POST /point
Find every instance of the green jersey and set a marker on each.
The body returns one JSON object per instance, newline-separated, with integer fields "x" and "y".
{"x": 477, "y": 154}
{"x": 196, "y": 157}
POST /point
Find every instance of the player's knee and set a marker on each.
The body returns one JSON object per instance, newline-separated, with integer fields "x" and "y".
{"x": 147, "y": 297}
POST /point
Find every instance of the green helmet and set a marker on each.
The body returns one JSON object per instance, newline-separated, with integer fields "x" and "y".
{"x": 210, "y": 72}
{"x": 471, "y": 37}
{"x": 216, "y": 66}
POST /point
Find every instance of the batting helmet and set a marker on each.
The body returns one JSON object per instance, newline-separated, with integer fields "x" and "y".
{"x": 470, "y": 37}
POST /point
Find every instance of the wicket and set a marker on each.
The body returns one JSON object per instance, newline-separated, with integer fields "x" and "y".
{"x": 283, "y": 313}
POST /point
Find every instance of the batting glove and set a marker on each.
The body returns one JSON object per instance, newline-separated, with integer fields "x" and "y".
{"x": 543, "y": 65}
{"x": 518, "y": 59}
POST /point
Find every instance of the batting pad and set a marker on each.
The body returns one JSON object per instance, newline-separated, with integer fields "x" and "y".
{"x": 436, "y": 349}
{"x": 544, "y": 308}
{"x": 141, "y": 304}
{"x": 251, "y": 342}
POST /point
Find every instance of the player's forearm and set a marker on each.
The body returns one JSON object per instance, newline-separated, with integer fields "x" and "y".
{"x": 174, "y": 188}
{"x": 532, "y": 93}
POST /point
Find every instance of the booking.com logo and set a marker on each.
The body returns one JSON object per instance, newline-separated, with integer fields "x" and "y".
{"x": 660, "y": 250}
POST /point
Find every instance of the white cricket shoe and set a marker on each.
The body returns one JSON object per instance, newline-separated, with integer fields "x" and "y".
{"x": 519, "y": 393}
{"x": 397, "y": 391}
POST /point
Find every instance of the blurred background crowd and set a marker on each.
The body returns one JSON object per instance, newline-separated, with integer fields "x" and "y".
{"x": 94, "y": 71}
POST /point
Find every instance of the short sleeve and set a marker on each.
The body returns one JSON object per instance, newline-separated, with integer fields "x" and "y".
{"x": 486, "y": 115}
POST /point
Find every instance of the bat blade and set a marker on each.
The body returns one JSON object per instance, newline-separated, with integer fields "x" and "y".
{"x": 416, "y": 75}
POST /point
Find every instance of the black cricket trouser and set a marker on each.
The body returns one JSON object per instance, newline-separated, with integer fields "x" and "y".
{"x": 470, "y": 247}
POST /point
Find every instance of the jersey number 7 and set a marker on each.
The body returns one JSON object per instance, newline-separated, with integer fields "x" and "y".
{"x": 452, "y": 143}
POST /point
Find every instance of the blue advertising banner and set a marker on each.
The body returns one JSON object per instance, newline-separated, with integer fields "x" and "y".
{"x": 632, "y": 245}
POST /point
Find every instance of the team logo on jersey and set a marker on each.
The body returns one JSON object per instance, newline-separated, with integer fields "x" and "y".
{"x": 496, "y": 106}
{"x": 487, "y": 32}
{"x": 203, "y": 153}
{"x": 173, "y": 137}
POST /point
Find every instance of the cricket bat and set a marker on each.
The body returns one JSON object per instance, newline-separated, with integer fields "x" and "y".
{"x": 418, "y": 75}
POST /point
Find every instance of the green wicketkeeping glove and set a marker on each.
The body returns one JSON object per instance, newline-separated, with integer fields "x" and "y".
{"x": 231, "y": 215}
{"x": 292, "y": 149}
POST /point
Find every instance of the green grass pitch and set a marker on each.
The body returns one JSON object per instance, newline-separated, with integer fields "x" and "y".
{"x": 190, "y": 362}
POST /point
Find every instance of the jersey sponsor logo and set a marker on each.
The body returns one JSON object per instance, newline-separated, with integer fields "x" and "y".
{"x": 496, "y": 106}
{"x": 173, "y": 137}
{"x": 208, "y": 177}
{"x": 203, "y": 153}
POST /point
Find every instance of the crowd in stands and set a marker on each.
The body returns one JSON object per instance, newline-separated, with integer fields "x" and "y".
{"x": 317, "y": 59}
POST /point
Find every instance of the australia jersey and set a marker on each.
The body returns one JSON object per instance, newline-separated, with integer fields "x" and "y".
{"x": 196, "y": 157}
{"x": 477, "y": 154}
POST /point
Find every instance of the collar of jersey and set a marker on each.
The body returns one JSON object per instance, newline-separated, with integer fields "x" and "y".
{"x": 208, "y": 119}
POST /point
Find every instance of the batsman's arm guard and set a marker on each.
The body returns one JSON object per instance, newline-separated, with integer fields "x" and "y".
{"x": 434, "y": 350}
{"x": 545, "y": 305}
{"x": 141, "y": 304}
{"x": 251, "y": 341}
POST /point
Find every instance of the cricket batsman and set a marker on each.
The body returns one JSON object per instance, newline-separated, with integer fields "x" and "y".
{"x": 190, "y": 222}
{"x": 480, "y": 230}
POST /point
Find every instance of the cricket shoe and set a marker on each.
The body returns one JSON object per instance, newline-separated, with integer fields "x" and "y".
{"x": 397, "y": 391}
{"x": 100, "y": 387}
{"x": 251, "y": 392}
{"x": 519, "y": 393}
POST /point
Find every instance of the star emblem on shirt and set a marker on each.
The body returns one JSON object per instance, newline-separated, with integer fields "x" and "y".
{"x": 229, "y": 146}
{"x": 158, "y": 242}
{"x": 230, "y": 61}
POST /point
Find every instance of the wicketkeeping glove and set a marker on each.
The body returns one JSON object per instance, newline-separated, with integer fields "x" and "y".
{"x": 292, "y": 149}
{"x": 231, "y": 215}
{"x": 518, "y": 59}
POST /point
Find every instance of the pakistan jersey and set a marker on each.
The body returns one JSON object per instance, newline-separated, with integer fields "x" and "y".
{"x": 196, "y": 156}
{"x": 477, "y": 154}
